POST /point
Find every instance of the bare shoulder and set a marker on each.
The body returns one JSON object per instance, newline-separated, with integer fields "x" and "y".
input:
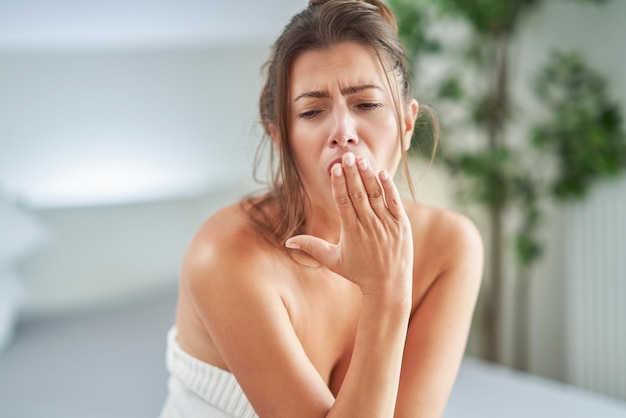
{"x": 444, "y": 235}
{"x": 226, "y": 248}
{"x": 226, "y": 230}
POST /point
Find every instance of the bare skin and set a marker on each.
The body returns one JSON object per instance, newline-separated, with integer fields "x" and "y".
{"x": 378, "y": 327}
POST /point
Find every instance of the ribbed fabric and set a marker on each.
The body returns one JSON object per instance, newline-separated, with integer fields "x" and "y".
{"x": 217, "y": 387}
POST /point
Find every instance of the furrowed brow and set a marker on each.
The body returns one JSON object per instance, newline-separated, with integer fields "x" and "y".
{"x": 312, "y": 95}
{"x": 318, "y": 94}
{"x": 357, "y": 89}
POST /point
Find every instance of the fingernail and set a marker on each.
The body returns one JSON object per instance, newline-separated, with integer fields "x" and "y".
{"x": 384, "y": 176}
{"x": 349, "y": 159}
{"x": 292, "y": 245}
{"x": 362, "y": 164}
{"x": 337, "y": 170}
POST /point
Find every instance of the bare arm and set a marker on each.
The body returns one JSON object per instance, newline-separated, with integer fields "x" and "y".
{"x": 439, "y": 326}
{"x": 375, "y": 251}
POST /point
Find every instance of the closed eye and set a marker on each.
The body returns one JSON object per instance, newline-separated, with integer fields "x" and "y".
{"x": 369, "y": 106}
{"x": 310, "y": 114}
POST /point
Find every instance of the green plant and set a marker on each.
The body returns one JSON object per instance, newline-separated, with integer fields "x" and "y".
{"x": 583, "y": 129}
{"x": 581, "y": 132}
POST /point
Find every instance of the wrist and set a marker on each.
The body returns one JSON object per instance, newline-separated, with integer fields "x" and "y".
{"x": 390, "y": 291}
{"x": 396, "y": 301}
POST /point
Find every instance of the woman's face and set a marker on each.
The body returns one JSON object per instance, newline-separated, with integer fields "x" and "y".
{"x": 339, "y": 101}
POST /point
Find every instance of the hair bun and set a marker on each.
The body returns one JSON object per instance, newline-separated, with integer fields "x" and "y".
{"x": 383, "y": 10}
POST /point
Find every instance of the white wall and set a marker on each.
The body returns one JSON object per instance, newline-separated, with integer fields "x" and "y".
{"x": 101, "y": 255}
{"x": 174, "y": 122}
{"x": 61, "y": 109}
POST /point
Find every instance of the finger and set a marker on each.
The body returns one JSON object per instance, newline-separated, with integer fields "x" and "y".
{"x": 321, "y": 250}
{"x": 347, "y": 215}
{"x": 356, "y": 189}
{"x": 372, "y": 186}
{"x": 392, "y": 196}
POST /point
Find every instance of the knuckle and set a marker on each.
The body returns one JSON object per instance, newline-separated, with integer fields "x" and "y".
{"x": 374, "y": 194}
{"x": 358, "y": 195}
{"x": 394, "y": 202}
{"x": 343, "y": 200}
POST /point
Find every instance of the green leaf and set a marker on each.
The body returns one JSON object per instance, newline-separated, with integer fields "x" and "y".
{"x": 488, "y": 17}
{"x": 487, "y": 172}
{"x": 451, "y": 89}
{"x": 414, "y": 20}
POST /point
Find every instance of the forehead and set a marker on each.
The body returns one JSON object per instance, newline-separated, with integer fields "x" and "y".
{"x": 343, "y": 65}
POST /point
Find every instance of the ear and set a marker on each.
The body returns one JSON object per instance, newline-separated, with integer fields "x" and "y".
{"x": 410, "y": 116}
{"x": 275, "y": 136}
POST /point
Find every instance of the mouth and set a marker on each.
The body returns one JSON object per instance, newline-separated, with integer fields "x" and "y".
{"x": 332, "y": 163}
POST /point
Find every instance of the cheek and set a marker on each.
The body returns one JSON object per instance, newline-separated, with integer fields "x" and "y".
{"x": 384, "y": 136}
{"x": 305, "y": 142}
{"x": 302, "y": 151}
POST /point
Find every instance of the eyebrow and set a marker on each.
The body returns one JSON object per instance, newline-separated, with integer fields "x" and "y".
{"x": 319, "y": 94}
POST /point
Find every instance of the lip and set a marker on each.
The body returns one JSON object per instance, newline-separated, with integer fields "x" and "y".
{"x": 332, "y": 163}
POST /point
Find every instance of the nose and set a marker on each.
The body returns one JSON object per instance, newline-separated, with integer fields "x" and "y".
{"x": 343, "y": 132}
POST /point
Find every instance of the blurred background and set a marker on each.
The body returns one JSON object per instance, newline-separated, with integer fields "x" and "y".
{"x": 125, "y": 124}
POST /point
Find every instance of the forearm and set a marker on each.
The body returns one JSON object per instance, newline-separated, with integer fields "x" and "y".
{"x": 438, "y": 329}
{"x": 371, "y": 384}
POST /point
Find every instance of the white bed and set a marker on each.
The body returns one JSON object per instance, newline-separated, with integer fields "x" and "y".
{"x": 485, "y": 390}
{"x": 109, "y": 364}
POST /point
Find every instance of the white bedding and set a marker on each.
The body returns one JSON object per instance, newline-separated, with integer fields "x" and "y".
{"x": 485, "y": 390}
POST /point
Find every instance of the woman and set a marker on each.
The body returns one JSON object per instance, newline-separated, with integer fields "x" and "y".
{"x": 328, "y": 295}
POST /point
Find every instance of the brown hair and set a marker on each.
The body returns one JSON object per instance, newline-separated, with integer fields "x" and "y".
{"x": 321, "y": 25}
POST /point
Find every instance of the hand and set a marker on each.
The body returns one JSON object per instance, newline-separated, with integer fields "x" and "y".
{"x": 375, "y": 248}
